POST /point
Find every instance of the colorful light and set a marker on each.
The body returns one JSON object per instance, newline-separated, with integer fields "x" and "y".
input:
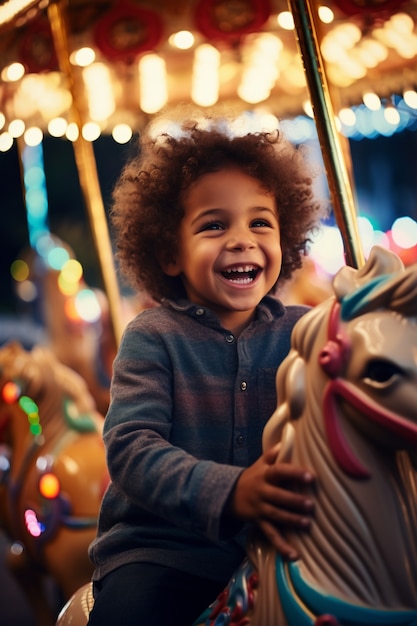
{"x": 71, "y": 310}
{"x": 122, "y": 133}
{"x": 57, "y": 257}
{"x": 35, "y": 192}
{"x": 49, "y": 486}
{"x": 32, "y": 411}
{"x": 19, "y": 270}
{"x": 404, "y": 232}
{"x": 10, "y": 392}
{"x": 33, "y": 526}
{"x": 88, "y": 306}
{"x": 70, "y": 277}
{"x": 4, "y": 462}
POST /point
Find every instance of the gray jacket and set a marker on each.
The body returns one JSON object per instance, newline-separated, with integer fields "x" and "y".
{"x": 189, "y": 402}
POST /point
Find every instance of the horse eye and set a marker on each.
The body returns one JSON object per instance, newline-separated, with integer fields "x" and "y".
{"x": 381, "y": 371}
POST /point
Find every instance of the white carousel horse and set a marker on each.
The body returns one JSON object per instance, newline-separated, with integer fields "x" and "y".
{"x": 52, "y": 471}
{"x": 347, "y": 408}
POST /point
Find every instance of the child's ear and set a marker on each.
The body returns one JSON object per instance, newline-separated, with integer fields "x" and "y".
{"x": 169, "y": 266}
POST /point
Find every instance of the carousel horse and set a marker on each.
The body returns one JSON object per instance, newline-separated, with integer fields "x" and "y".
{"x": 347, "y": 409}
{"x": 52, "y": 471}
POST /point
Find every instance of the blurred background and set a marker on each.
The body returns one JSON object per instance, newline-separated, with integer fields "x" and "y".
{"x": 125, "y": 61}
{"x": 80, "y": 79}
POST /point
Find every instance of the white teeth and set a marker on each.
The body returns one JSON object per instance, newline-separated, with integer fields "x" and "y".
{"x": 247, "y": 274}
{"x": 242, "y": 281}
{"x": 241, "y": 268}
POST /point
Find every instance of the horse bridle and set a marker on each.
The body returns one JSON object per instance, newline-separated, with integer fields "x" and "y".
{"x": 332, "y": 359}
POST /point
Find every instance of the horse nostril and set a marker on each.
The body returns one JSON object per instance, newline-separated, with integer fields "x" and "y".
{"x": 331, "y": 358}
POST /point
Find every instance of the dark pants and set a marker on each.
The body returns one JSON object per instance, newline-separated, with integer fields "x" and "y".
{"x": 143, "y": 594}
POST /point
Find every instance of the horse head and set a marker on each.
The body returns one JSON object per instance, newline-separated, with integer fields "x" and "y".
{"x": 353, "y": 361}
{"x": 347, "y": 408}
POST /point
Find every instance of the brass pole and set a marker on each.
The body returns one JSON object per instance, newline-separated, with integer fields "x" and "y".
{"x": 329, "y": 137}
{"x": 87, "y": 172}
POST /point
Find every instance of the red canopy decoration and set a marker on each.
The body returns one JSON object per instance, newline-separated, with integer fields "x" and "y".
{"x": 127, "y": 30}
{"x": 352, "y": 7}
{"x": 227, "y": 20}
{"x": 37, "y": 52}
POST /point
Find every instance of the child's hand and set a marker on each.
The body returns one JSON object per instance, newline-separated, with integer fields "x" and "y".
{"x": 262, "y": 496}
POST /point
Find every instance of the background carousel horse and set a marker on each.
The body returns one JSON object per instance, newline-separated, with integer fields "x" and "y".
{"x": 347, "y": 408}
{"x": 52, "y": 471}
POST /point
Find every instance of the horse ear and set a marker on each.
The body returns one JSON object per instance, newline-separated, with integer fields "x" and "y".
{"x": 380, "y": 262}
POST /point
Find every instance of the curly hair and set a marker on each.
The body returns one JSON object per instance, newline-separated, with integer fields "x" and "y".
{"x": 147, "y": 199}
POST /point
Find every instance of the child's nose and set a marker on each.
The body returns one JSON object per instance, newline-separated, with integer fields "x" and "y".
{"x": 240, "y": 239}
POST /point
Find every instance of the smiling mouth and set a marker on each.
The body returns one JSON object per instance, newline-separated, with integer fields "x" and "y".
{"x": 241, "y": 274}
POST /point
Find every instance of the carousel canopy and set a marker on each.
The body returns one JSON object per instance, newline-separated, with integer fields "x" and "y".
{"x": 130, "y": 58}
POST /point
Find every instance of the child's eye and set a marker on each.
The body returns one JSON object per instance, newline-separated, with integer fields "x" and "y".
{"x": 212, "y": 226}
{"x": 260, "y": 223}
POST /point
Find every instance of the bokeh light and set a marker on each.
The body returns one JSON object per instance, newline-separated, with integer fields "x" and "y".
{"x": 49, "y": 486}
{"x": 404, "y": 232}
{"x": 10, "y": 392}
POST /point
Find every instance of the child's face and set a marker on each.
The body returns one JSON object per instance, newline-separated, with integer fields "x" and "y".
{"x": 229, "y": 253}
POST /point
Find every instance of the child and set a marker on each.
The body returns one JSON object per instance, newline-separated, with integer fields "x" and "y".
{"x": 207, "y": 222}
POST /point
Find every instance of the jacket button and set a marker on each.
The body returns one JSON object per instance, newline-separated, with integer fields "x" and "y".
{"x": 243, "y": 385}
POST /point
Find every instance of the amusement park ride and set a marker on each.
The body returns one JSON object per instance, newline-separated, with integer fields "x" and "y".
{"x": 347, "y": 390}
{"x": 347, "y": 396}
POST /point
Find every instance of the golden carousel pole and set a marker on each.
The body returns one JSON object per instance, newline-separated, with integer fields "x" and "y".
{"x": 87, "y": 172}
{"x": 334, "y": 154}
